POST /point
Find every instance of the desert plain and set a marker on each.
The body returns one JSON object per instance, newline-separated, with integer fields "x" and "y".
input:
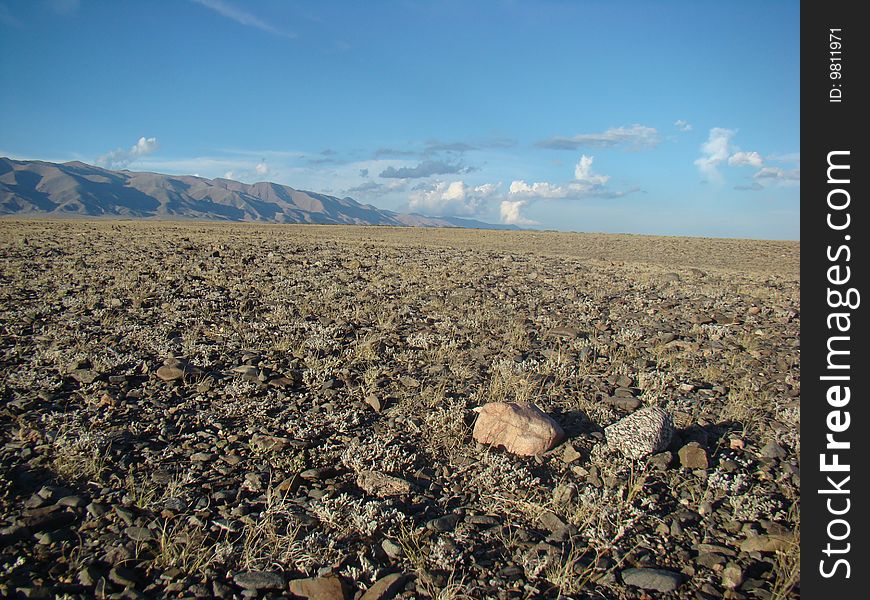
{"x": 194, "y": 410}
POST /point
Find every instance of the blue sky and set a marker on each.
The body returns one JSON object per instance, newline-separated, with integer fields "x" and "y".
{"x": 675, "y": 118}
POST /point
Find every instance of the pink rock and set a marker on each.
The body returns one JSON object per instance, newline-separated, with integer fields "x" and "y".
{"x": 520, "y": 429}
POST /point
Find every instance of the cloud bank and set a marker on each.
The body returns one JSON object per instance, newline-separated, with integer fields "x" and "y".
{"x": 454, "y": 198}
{"x": 585, "y": 184}
{"x": 511, "y": 215}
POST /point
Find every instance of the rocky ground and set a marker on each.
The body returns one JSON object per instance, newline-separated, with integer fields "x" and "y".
{"x": 193, "y": 410}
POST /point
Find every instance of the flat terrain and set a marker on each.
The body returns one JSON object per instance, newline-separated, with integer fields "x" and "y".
{"x": 210, "y": 410}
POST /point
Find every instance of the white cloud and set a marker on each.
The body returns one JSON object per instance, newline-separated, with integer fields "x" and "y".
{"x": 746, "y": 159}
{"x": 585, "y": 184}
{"x": 719, "y": 150}
{"x": 229, "y": 175}
{"x": 583, "y": 172}
{"x": 261, "y": 169}
{"x": 715, "y": 151}
{"x": 539, "y": 189}
{"x": 636, "y": 137}
{"x": 683, "y": 125}
{"x": 120, "y": 158}
{"x": 453, "y": 198}
{"x": 511, "y": 215}
{"x": 240, "y": 16}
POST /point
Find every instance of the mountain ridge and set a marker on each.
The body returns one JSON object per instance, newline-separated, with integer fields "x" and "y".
{"x": 78, "y": 189}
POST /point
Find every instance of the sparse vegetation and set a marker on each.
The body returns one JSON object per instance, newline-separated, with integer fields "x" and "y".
{"x": 310, "y": 357}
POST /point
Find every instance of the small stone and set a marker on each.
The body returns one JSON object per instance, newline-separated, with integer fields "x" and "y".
{"x": 392, "y": 549}
{"x": 123, "y": 576}
{"x": 661, "y": 461}
{"x": 659, "y": 580}
{"x": 564, "y": 493}
{"x": 259, "y": 580}
{"x": 732, "y": 576}
{"x": 482, "y": 520}
{"x": 445, "y": 523}
{"x": 54, "y": 537}
{"x": 221, "y": 590}
{"x": 624, "y": 381}
{"x": 269, "y": 443}
{"x": 564, "y": 332}
{"x": 766, "y": 543}
{"x": 736, "y": 443}
{"x": 385, "y": 588}
{"x": 88, "y": 576}
{"x": 84, "y": 376}
{"x": 125, "y": 514}
{"x": 693, "y": 456}
{"x": 409, "y": 382}
{"x": 374, "y": 402}
{"x": 201, "y": 457}
{"x": 520, "y": 429}
{"x": 773, "y": 450}
{"x": 570, "y": 454}
{"x": 282, "y": 382}
{"x": 624, "y": 403}
{"x": 72, "y": 501}
{"x": 170, "y": 373}
{"x": 318, "y": 588}
{"x": 96, "y": 510}
{"x": 381, "y": 484}
{"x": 642, "y": 433}
{"x": 316, "y": 474}
{"x": 138, "y": 534}
{"x": 248, "y": 371}
{"x": 551, "y": 521}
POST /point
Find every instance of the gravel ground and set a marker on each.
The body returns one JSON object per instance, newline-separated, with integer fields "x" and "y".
{"x": 197, "y": 410}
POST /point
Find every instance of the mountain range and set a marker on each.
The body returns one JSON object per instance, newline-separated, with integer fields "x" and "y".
{"x": 33, "y": 187}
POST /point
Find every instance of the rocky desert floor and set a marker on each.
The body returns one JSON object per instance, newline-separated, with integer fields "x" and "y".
{"x": 239, "y": 411}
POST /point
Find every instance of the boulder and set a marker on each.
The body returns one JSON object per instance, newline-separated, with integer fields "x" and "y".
{"x": 520, "y": 429}
{"x": 642, "y": 433}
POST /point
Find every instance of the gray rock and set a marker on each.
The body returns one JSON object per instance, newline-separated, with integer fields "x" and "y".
{"x": 659, "y": 580}
{"x": 259, "y": 580}
{"x": 624, "y": 403}
{"x": 445, "y": 523}
{"x": 392, "y": 549}
{"x": 642, "y": 433}
{"x": 732, "y": 576}
{"x": 138, "y": 534}
{"x": 773, "y": 450}
{"x": 551, "y": 521}
{"x": 375, "y": 402}
{"x": 766, "y": 543}
{"x": 123, "y": 576}
{"x": 54, "y": 537}
{"x": 88, "y": 576}
{"x": 72, "y": 501}
{"x": 385, "y": 587}
{"x": 125, "y": 514}
{"x": 482, "y": 520}
{"x": 693, "y": 456}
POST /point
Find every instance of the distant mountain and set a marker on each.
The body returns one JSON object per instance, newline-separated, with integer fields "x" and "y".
{"x": 29, "y": 187}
